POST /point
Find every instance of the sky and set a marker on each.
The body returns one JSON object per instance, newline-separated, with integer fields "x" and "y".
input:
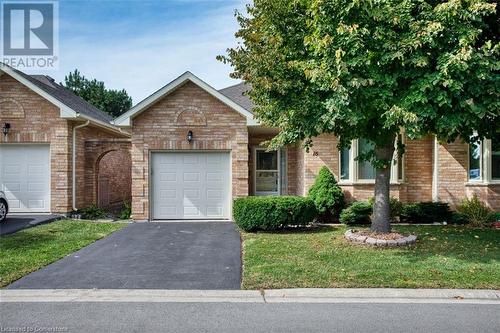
{"x": 142, "y": 45}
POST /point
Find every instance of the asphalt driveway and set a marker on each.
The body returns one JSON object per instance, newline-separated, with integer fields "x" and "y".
{"x": 14, "y": 223}
{"x": 179, "y": 255}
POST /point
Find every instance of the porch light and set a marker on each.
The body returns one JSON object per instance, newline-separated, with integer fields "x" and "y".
{"x": 190, "y": 136}
{"x": 5, "y": 129}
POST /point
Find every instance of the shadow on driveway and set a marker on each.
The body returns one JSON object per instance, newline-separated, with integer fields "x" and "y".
{"x": 180, "y": 255}
{"x": 14, "y": 223}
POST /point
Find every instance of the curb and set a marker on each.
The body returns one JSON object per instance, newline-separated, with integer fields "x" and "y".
{"x": 340, "y": 295}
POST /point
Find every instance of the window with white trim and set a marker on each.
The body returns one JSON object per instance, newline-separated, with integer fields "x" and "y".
{"x": 484, "y": 160}
{"x": 353, "y": 171}
{"x": 267, "y": 172}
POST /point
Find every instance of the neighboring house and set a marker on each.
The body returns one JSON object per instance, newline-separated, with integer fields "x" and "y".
{"x": 57, "y": 152}
{"x": 195, "y": 148}
{"x": 188, "y": 149}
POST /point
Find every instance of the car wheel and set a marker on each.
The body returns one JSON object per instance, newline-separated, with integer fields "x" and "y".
{"x": 3, "y": 211}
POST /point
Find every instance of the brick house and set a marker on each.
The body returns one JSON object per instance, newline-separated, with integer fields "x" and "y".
{"x": 58, "y": 153}
{"x": 188, "y": 149}
{"x": 195, "y": 148}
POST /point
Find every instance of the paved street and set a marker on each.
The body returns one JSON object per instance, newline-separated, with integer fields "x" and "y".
{"x": 252, "y": 317}
{"x": 184, "y": 255}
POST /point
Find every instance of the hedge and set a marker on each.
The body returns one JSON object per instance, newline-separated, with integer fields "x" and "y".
{"x": 272, "y": 212}
{"x": 426, "y": 212}
{"x": 357, "y": 213}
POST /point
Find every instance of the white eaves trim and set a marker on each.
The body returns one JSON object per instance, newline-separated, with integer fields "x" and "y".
{"x": 64, "y": 110}
{"x": 126, "y": 118}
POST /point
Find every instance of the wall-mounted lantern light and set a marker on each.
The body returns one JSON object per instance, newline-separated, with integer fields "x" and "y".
{"x": 190, "y": 136}
{"x": 5, "y": 129}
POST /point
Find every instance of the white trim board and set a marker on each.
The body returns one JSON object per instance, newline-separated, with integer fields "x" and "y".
{"x": 126, "y": 118}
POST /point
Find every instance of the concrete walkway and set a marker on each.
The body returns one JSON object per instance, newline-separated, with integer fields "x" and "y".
{"x": 194, "y": 255}
{"x": 338, "y": 295}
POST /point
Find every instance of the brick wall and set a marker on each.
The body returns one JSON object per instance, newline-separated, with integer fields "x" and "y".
{"x": 417, "y": 170}
{"x": 164, "y": 127}
{"x": 453, "y": 184}
{"x": 35, "y": 120}
{"x": 107, "y": 160}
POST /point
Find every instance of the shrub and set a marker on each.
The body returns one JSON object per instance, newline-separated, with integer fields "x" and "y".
{"x": 426, "y": 212}
{"x": 458, "y": 218}
{"x": 495, "y": 217}
{"x": 327, "y": 196}
{"x": 357, "y": 213}
{"x": 396, "y": 207}
{"x": 126, "y": 211}
{"x": 272, "y": 213}
{"x": 93, "y": 212}
{"x": 476, "y": 212}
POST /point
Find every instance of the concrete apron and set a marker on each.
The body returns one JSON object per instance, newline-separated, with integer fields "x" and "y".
{"x": 340, "y": 295}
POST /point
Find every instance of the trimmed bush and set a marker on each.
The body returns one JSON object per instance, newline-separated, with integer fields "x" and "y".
{"x": 396, "y": 207}
{"x": 327, "y": 196}
{"x": 426, "y": 212}
{"x": 458, "y": 218}
{"x": 357, "y": 213}
{"x": 476, "y": 212}
{"x": 272, "y": 213}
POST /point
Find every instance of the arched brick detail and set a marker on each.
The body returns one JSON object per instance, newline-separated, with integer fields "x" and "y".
{"x": 113, "y": 153}
{"x": 190, "y": 116}
{"x": 11, "y": 109}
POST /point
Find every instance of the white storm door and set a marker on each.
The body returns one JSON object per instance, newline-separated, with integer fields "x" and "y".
{"x": 191, "y": 185}
{"x": 25, "y": 177}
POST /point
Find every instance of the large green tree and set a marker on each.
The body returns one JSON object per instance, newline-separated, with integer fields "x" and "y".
{"x": 370, "y": 69}
{"x": 114, "y": 102}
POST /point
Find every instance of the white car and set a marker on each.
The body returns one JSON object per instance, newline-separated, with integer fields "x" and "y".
{"x": 4, "y": 207}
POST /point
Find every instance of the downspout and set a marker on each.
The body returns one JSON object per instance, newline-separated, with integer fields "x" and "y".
{"x": 435, "y": 171}
{"x": 74, "y": 162}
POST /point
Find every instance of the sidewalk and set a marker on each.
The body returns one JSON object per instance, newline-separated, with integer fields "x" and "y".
{"x": 340, "y": 295}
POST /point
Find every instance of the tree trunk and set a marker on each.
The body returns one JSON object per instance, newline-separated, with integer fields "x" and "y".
{"x": 381, "y": 219}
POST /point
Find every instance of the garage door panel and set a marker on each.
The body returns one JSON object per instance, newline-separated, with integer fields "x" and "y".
{"x": 201, "y": 185}
{"x": 25, "y": 177}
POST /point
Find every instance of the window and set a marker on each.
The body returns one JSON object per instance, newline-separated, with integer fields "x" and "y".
{"x": 475, "y": 161}
{"x": 267, "y": 175}
{"x": 495, "y": 158}
{"x": 362, "y": 171}
{"x": 344, "y": 164}
{"x": 484, "y": 160}
{"x": 365, "y": 168}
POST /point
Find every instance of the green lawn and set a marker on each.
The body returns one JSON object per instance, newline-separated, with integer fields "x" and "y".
{"x": 30, "y": 249}
{"x": 444, "y": 257}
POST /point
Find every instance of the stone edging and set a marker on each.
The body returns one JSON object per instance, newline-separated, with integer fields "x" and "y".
{"x": 352, "y": 236}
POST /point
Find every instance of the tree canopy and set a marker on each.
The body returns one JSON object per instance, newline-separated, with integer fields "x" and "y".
{"x": 368, "y": 69}
{"x": 114, "y": 102}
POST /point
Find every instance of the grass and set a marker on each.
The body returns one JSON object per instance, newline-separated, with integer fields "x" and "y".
{"x": 30, "y": 249}
{"x": 443, "y": 257}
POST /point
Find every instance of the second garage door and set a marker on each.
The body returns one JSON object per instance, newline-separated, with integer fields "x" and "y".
{"x": 190, "y": 185}
{"x": 25, "y": 177}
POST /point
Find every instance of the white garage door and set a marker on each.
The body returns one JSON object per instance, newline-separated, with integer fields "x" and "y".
{"x": 191, "y": 185}
{"x": 25, "y": 177}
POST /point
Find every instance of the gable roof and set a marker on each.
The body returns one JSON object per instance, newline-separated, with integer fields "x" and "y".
{"x": 58, "y": 93}
{"x": 125, "y": 119}
{"x": 238, "y": 93}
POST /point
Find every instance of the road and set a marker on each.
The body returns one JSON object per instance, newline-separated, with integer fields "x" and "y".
{"x": 248, "y": 317}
